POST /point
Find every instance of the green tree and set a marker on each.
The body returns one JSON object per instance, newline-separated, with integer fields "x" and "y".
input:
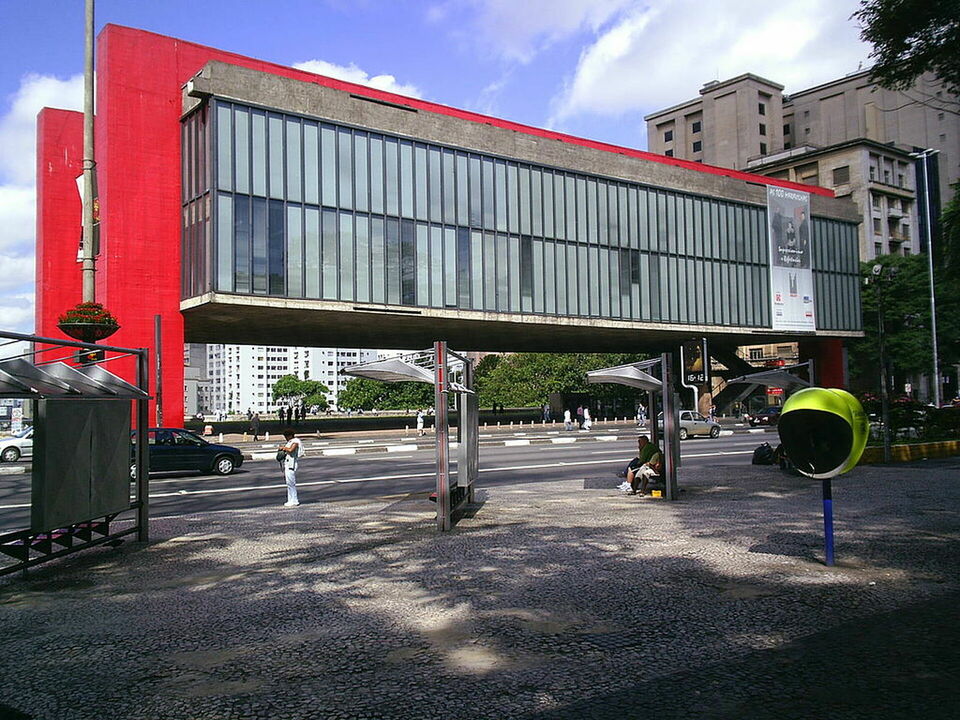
{"x": 906, "y": 303}
{"x": 911, "y": 37}
{"x": 948, "y": 249}
{"x": 365, "y": 394}
{"x": 291, "y": 390}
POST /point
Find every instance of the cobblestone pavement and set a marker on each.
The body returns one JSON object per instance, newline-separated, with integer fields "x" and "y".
{"x": 562, "y": 600}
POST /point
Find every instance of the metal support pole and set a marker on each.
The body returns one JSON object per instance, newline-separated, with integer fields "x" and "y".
{"x": 652, "y": 412}
{"x": 828, "y": 521}
{"x": 884, "y": 393}
{"x": 157, "y": 344}
{"x": 669, "y": 426}
{"x": 88, "y": 271}
{"x": 441, "y": 433}
{"x": 142, "y": 454}
{"x": 925, "y": 156}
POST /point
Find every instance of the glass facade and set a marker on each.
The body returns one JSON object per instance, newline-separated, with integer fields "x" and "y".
{"x": 308, "y": 209}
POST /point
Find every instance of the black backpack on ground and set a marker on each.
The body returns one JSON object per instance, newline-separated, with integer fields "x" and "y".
{"x": 763, "y": 455}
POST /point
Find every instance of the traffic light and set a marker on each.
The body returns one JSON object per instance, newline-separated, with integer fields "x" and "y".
{"x": 823, "y": 431}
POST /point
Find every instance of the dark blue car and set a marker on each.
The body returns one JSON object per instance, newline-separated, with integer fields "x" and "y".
{"x": 179, "y": 450}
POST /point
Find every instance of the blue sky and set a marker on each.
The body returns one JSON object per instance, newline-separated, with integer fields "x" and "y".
{"x": 589, "y": 67}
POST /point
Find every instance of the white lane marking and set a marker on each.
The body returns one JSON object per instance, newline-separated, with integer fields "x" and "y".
{"x": 364, "y": 442}
{"x": 340, "y": 451}
{"x": 607, "y": 438}
{"x": 515, "y": 443}
{"x": 562, "y": 441}
{"x": 398, "y": 448}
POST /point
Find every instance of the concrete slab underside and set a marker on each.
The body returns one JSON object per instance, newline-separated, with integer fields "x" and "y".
{"x": 552, "y": 601}
{"x": 245, "y": 319}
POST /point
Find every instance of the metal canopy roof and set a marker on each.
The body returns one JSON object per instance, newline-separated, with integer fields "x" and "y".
{"x": 392, "y": 370}
{"x": 22, "y": 379}
{"x": 632, "y": 375}
{"x": 773, "y": 378}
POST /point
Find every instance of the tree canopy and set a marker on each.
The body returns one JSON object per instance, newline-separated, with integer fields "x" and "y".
{"x": 365, "y": 394}
{"x": 911, "y": 37}
{"x": 290, "y": 389}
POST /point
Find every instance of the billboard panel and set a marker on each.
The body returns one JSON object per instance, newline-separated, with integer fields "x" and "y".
{"x": 791, "y": 278}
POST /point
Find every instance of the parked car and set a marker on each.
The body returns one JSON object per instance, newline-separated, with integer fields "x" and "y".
{"x": 768, "y": 416}
{"x": 693, "y": 423}
{"x": 176, "y": 449}
{"x": 18, "y": 446}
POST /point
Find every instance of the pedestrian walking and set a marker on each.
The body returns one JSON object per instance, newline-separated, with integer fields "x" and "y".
{"x": 587, "y": 420}
{"x": 580, "y": 416}
{"x": 546, "y": 413}
{"x": 255, "y": 426}
{"x": 419, "y": 423}
{"x": 567, "y": 420}
{"x": 288, "y": 463}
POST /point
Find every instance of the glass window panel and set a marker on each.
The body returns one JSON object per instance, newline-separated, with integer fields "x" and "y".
{"x": 420, "y": 165}
{"x": 392, "y": 161}
{"x": 538, "y": 276}
{"x": 560, "y": 279}
{"x": 548, "y": 226}
{"x": 479, "y": 272}
{"x": 258, "y": 121}
{"x": 526, "y": 274}
{"x": 633, "y": 220}
{"x": 525, "y": 200}
{"x": 596, "y": 283}
{"x": 603, "y": 234}
{"x": 500, "y": 183}
{"x": 463, "y": 266}
{"x": 311, "y": 163}
{"x": 615, "y": 193}
{"x": 513, "y": 215}
{"x": 549, "y": 278}
{"x": 570, "y": 202}
{"x": 503, "y": 275}
{"x": 450, "y": 266}
{"x": 513, "y": 250}
{"x": 559, "y": 212}
{"x": 573, "y": 277}
{"x": 433, "y": 159}
{"x": 583, "y": 235}
{"x": 377, "y": 260}
{"x": 463, "y": 195}
{"x": 641, "y": 290}
{"x": 328, "y": 166}
{"x": 408, "y": 262}
{"x": 536, "y": 203}
{"x": 476, "y": 204}
{"x": 241, "y": 139}
{"x": 294, "y": 251}
{"x": 489, "y": 270}
{"x": 423, "y": 261}
{"x": 225, "y": 243}
{"x": 376, "y": 174}
{"x": 449, "y": 189}
{"x": 224, "y": 149}
{"x": 392, "y": 261}
{"x": 294, "y": 158}
{"x": 626, "y": 284}
{"x": 360, "y": 175}
{"x": 311, "y": 233}
{"x": 613, "y": 272}
{"x": 345, "y": 167}
{"x": 259, "y": 228}
{"x": 241, "y": 239}
{"x": 488, "y": 194}
{"x": 362, "y": 234}
{"x": 346, "y": 261}
{"x": 406, "y": 178}
{"x": 275, "y": 133}
{"x": 436, "y": 266}
{"x": 329, "y": 256}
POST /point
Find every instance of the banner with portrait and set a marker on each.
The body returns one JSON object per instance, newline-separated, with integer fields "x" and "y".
{"x": 791, "y": 278}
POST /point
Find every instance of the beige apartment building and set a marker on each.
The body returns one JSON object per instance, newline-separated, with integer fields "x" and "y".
{"x": 747, "y": 123}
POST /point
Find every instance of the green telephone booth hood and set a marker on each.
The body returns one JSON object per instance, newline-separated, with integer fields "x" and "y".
{"x": 823, "y": 431}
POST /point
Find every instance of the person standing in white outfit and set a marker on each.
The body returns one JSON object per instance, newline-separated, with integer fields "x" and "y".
{"x": 290, "y": 462}
{"x": 587, "y": 420}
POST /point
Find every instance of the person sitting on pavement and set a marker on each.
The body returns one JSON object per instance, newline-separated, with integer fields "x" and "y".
{"x": 645, "y": 451}
{"x": 650, "y": 469}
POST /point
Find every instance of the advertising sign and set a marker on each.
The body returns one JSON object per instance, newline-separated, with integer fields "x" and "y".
{"x": 696, "y": 364}
{"x": 791, "y": 279}
{"x": 16, "y": 420}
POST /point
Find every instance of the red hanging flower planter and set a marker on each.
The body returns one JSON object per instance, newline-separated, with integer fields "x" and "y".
{"x": 88, "y": 322}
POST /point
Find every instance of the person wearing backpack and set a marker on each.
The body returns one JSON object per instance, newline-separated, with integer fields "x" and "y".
{"x": 291, "y": 454}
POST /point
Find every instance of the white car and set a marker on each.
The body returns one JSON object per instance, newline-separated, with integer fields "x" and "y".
{"x": 18, "y": 446}
{"x": 693, "y": 423}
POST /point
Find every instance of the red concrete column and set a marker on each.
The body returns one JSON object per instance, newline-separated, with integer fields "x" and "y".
{"x": 830, "y": 361}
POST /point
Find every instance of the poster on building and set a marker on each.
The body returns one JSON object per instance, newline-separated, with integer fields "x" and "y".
{"x": 791, "y": 279}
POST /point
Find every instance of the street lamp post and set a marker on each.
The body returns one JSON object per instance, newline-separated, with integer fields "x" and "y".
{"x": 882, "y": 275}
{"x": 924, "y": 157}
{"x": 89, "y": 164}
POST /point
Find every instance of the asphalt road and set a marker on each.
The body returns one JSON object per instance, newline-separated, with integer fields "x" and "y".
{"x": 384, "y": 475}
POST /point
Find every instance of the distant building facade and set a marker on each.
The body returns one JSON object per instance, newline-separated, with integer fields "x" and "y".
{"x": 747, "y": 123}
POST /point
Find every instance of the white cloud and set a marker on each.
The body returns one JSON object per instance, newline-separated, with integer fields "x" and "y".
{"x": 18, "y": 190}
{"x": 658, "y": 55}
{"x": 351, "y": 73}
{"x": 519, "y": 30}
